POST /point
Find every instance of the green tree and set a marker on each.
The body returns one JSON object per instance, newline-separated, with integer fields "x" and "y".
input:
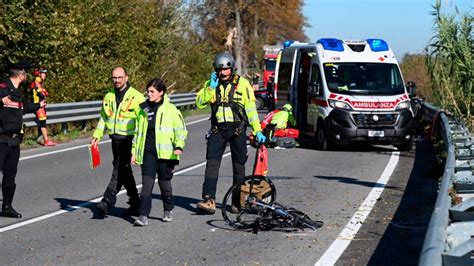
{"x": 81, "y": 41}
{"x": 414, "y": 69}
{"x": 242, "y": 27}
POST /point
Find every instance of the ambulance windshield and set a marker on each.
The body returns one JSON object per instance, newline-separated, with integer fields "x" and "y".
{"x": 363, "y": 78}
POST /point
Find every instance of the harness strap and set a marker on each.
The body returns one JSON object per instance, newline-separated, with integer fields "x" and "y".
{"x": 238, "y": 110}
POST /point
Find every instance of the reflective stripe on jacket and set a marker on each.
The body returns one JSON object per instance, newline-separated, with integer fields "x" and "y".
{"x": 119, "y": 120}
{"x": 170, "y": 131}
{"x": 243, "y": 95}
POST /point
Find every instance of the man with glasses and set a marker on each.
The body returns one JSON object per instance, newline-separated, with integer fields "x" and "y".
{"x": 232, "y": 102}
{"x": 118, "y": 117}
{"x": 12, "y": 109}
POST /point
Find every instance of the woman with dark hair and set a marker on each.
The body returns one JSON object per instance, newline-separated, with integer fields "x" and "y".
{"x": 157, "y": 145}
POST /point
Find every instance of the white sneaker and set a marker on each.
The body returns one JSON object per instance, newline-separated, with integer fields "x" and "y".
{"x": 167, "y": 216}
{"x": 141, "y": 221}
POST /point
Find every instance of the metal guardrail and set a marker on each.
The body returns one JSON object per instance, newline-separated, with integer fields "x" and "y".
{"x": 81, "y": 111}
{"x": 449, "y": 238}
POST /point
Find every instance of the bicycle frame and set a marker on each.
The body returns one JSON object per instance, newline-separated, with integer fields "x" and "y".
{"x": 281, "y": 212}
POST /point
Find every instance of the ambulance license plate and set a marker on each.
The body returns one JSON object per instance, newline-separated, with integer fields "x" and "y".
{"x": 373, "y": 133}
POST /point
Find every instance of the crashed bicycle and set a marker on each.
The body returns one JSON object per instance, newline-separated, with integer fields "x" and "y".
{"x": 250, "y": 205}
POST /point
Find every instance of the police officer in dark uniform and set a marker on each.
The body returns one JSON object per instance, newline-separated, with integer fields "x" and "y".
{"x": 12, "y": 109}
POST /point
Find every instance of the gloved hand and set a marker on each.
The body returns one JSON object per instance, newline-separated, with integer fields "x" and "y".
{"x": 260, "y": 137}
{"x": 214, "y": 81}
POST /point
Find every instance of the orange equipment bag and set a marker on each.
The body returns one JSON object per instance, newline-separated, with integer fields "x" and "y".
{"x": 287, "y": 133}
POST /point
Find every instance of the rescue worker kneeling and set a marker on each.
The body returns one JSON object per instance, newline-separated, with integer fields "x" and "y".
{"x": 232, "y": 103}
{"x": 279, "y": 123}
{"x": 281, "y": 119}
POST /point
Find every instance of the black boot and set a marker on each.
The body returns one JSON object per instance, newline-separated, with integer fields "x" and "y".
{"x": 8, "y": 211}
{"x": 8, "y": 191}
{"x": 102, "y": 209}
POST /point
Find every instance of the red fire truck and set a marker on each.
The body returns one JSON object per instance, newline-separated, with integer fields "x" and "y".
{"x": 270, "y": 57}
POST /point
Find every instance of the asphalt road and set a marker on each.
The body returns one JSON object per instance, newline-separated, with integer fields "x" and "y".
{"x": 56, "y": 190}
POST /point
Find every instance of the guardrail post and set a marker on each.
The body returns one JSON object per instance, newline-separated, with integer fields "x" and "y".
{"x": 64, "y": 128}
{"x": 83, "y": 125}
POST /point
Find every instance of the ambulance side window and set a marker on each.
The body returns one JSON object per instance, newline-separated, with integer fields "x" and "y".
{"x": 315, "y": 87}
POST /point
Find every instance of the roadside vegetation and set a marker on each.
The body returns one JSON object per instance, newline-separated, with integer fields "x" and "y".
{"x": 81, "y": 41}
{"x": 451, "y": 62}
{"x": 444, "y": 74}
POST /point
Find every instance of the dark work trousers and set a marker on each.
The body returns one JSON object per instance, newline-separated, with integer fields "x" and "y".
{"x": 150, "y": 168}
{"x": 122, "y": 174}
{"x": 9, "y": 157}
{"x": 216, "y": 144}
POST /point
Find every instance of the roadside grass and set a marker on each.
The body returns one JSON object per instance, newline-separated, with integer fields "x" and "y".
{"x": 194, "y": 112}
{"x": 60, "y": 133}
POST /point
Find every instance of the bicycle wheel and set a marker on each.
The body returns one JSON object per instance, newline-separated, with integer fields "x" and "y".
{"x": 237, "y": 211}
{"x": 302, "y": 220}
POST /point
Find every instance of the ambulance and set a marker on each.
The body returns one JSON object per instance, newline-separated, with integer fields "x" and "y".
{"x": 345, "y": 91}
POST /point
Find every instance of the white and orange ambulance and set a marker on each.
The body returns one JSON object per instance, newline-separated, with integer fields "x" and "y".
{"x": 345, "y": 91}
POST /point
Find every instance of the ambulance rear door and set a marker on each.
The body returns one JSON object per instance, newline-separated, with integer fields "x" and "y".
{"x": 317, "y": 103}
{"x": 284, "y": 76}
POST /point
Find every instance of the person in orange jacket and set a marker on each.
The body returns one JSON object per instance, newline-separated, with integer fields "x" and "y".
{"x": 40, "y": 93}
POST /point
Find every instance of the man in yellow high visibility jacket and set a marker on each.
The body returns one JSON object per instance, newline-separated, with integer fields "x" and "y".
{"x": 232, "y": 102}
{"x": 118, "y": 117}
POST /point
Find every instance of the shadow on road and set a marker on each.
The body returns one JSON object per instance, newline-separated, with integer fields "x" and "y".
{"x": 71, "y": 205}
{"x": 182, "y": 202}
{"x": 308, "y": 144}
{"x": 349, "y": 180}
{"x": 403, "y": 239}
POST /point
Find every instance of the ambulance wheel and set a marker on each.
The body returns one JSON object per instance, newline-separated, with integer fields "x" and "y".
{"x": 320, "y": 140}
{"x": 259, "y": 103}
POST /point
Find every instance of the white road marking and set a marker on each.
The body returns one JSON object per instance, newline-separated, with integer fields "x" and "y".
{"x": 59, "y": 151}
{"x": 336, "y": 249}
{"x": 70, "y": 209}
{"x": 197, "y": 121}
{"x": 85, "y": 145}
{"x": 84, "y": 204}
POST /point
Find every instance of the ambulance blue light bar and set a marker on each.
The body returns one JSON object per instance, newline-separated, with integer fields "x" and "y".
{"x": 377, "y": 45}
{"x": 332, "y": 44}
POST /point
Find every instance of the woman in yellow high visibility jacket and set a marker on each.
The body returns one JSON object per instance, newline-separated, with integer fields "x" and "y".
{"x": 157, "y": 145}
